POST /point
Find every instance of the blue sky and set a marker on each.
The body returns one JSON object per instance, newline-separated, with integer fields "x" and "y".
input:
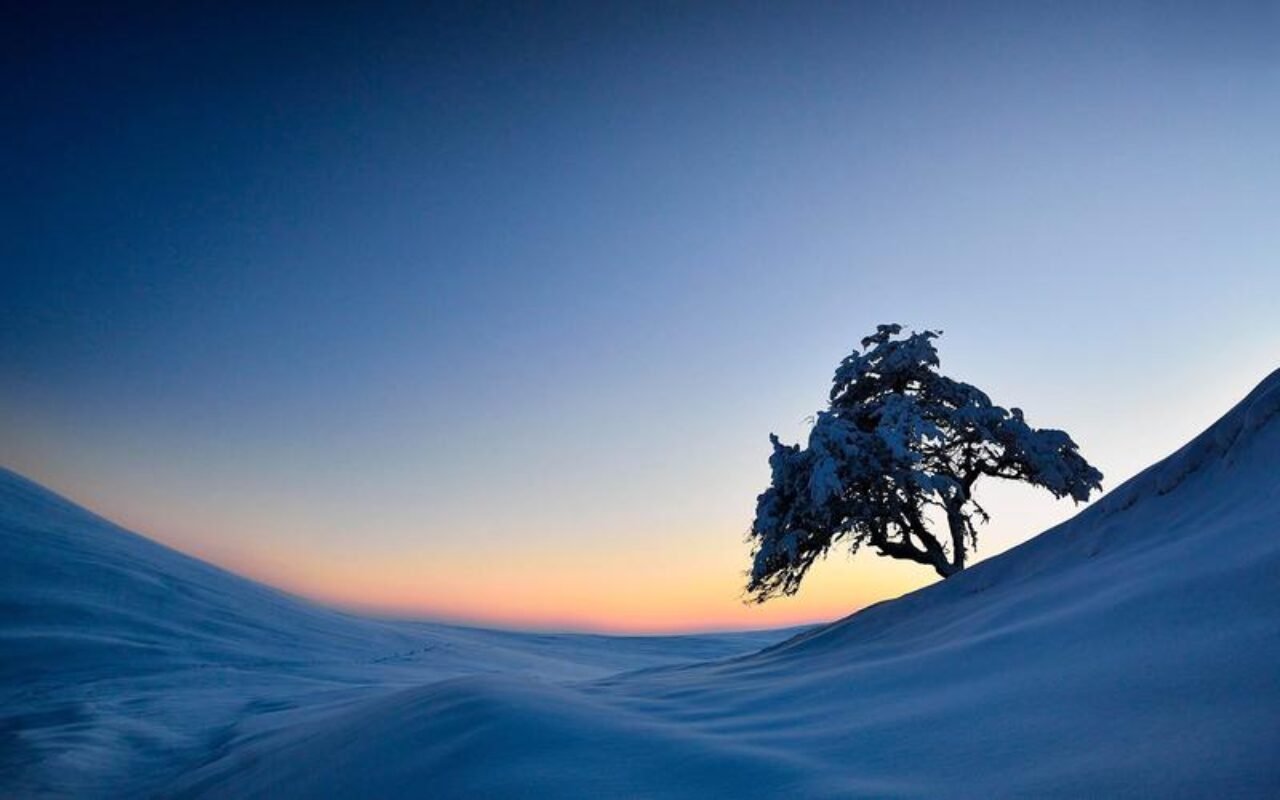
{"x": 486, "y": 312}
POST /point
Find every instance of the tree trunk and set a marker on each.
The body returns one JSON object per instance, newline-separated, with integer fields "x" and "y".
{"x": 934, "y": 555}
{"x": 959, "y": 527}
{"x": 911, "y": 523}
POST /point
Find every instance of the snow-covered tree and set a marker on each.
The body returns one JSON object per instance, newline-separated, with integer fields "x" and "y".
{"x": 899, "y": 447}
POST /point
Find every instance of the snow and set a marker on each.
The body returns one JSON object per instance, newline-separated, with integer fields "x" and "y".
{"x": 1130, "y": 652}
{"x": 122, "y": 662}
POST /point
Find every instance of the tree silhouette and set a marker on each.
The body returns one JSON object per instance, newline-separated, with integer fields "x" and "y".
{"x": 898, "y": 447}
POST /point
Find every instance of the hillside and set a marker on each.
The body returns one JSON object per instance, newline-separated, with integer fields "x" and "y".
{"x": 1130, "y": 652}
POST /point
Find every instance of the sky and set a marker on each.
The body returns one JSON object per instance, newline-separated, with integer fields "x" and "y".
{"x": 484, "y": 312}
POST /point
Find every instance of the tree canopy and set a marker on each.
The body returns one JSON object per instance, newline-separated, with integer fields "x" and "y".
{"x": 899, "y": 445}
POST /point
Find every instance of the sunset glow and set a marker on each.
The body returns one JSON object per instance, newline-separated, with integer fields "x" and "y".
{"x": 487, "y": 317}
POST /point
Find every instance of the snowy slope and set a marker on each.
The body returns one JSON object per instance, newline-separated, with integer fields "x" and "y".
{"x": 1133, "y": 651}
{"x": 123, "y": 662}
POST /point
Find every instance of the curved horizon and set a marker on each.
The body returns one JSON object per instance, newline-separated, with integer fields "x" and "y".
{"x": 601, "y": 621}
{"x": 486, "y": 314}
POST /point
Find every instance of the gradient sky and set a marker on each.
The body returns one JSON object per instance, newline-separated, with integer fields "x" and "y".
{"x": 485, "y": 313}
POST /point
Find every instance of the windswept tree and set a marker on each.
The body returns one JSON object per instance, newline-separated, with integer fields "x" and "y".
{"x": 892, "y": 460}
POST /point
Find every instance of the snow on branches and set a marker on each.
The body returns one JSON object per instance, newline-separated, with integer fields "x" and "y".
{"x": 898, "y": 445}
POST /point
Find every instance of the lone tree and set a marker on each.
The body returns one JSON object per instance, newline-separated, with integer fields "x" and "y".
{"x": 899, "y": 446}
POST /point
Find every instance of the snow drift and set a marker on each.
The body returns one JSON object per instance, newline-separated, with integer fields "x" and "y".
{"x": 1130, "y": 652}
{"x": 122, "y": 662}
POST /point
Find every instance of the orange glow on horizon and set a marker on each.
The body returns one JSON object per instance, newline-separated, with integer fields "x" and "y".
{"x": 623, "y": 591}
{"x": 512, "y": 594}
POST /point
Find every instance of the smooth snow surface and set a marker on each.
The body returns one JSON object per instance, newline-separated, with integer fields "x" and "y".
{"x": 124, "y": 664}
{"x": 1133, "y": 651}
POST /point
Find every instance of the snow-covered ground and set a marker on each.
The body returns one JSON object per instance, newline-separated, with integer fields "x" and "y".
{"x": 124, "y": 664}
{"x": 1130, "y": 652}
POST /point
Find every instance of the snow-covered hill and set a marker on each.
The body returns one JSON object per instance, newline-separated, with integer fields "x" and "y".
{"x": 123, "y": 663}
{"x": 1132, "y": 652}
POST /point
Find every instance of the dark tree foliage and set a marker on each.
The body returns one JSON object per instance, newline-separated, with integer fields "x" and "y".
{"x": 898, "y": 446}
